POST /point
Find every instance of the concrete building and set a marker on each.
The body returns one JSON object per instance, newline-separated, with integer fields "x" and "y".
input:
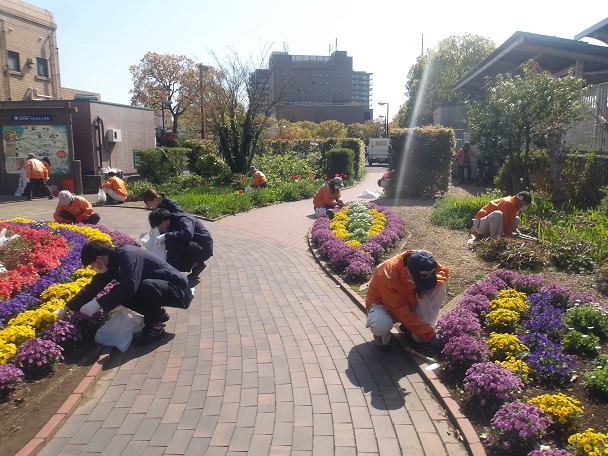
{"x": 80, "y": 134}
{"x": 316, "y": 88}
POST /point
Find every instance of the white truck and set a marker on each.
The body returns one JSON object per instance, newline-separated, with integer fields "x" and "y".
{"x": 377, "y": 150}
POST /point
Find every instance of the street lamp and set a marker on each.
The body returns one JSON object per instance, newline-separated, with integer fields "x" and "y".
{"x": 202, "y": 68}
{"x": 382, "y": 104}
{"x": 163, "y": 105}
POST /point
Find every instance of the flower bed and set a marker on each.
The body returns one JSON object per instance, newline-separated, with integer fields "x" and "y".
{"x": 41, "y": 262}
{"x": 528, "y": 364}
{"x": 357, "y": 238}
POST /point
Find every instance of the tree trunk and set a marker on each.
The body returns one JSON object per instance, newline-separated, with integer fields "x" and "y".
{"x": 557, "y": 196}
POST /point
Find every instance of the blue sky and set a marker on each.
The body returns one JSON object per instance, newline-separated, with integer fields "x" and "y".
{"x": 99, "y": 41}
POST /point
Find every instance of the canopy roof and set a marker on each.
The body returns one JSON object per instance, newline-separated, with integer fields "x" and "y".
{"x": 556, "y": 55}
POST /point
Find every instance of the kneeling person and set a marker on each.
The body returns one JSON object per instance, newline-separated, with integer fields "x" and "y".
{"x": 188, "y": 242}
{"x": 409, "y": 289}
{"x": 74, "y": 209}
{"x": 145, "y": 284}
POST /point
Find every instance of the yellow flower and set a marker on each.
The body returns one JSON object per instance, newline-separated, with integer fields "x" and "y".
{"x": 7, "y": 351}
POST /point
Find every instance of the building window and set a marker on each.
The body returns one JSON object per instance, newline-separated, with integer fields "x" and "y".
{"x": 13, "y": 61}
{"x": 42, "y": 66}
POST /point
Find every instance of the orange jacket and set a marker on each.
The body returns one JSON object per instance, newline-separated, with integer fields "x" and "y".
{"x": 259, "y": 178}
{"x": 460, "y": 155}
{"x": 35, "y": 169}
{"x": 327, "y": 195}
{"x": 80, "y": 207}
{"x": 392, "y": 287}
{"x": 116, "y": 184}
{"x": 508, "y": 207}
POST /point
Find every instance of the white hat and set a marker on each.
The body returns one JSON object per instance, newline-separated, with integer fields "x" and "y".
{"x": 65, "y": 197}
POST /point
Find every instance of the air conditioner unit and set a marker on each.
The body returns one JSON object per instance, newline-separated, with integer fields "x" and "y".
{"x": 114, "y": 135}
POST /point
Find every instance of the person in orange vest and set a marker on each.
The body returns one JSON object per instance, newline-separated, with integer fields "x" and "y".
{"x": 74, "y": 209}
{"x": 115, "y": 188}
{"x": 328, "y": 196}
{"x": 36, "y": 174}
{"x": 500, "y": 216}
{"x": 259, "y": 178}
{"x": 463, "y": 157}
{"x": 47, "y": 164}
{"x": 408, "y": 289}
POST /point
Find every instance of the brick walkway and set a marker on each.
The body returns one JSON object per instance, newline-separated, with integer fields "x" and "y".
{"x": 272, "y": 358}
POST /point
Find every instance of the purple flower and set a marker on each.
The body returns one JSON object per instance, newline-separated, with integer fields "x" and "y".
{"x": 457, "y": 322}
{"x": 517, "y": 427}
{"x": 461, "y": 352}
{"x": 546, "y": 360}
{"x": 63, "y": 333}
{"x": 490, "y": 385}
{"x": 557, "y": 452}
{"x": 36, "y": 357}
{"x": 9, "y": 377}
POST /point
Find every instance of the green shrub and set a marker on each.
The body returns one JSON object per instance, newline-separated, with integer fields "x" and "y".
{"x": 158, "y": 165}
{"x": 286, "y": 165}
{"x": 588, "y": 319}
{"x": 211, "y": 166}
{"x": 340, "y": 162}
{"x": 576, "y": 342}
{"x": 136, "y": 189}
{"x": 570, "y": 254}
{"x": 458, "y": 213}
{"x": 597, "y": 382}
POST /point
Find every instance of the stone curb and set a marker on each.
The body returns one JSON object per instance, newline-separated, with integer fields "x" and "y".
{"x": 77, "y": 396}
{"x": 458, "y": 420}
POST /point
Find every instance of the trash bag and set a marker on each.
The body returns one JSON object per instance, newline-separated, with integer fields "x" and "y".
{"x": 119, "y": 329}
{"x": 248, "y": 189}
{"x": 148, "y": 241}
{"x": 101, "y": 196}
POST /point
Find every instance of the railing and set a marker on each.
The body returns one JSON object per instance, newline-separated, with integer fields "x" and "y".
{"x": 592, "y": 132}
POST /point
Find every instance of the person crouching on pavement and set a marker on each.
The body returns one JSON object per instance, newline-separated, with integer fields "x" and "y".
{"x": 74, "y": 209}
{"x": 115, "y": 188}
{"x": 188, "y": 242}
{"x": 154, "y": 200}
{"x": 407, "y": 288}
{"x": 145, "y": 284}
{"x": 328, "y": 196}
{"x": 500, "y": 216}
{"x": 37, "y": 175}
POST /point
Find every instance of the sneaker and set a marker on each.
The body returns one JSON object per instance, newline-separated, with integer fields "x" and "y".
{"x": 149, "y": 334}
{"x": 196, "y": 270}
{"x": 380, "y": 346}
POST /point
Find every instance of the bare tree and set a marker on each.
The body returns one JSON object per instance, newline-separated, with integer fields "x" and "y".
{"x": 165, "y": 81}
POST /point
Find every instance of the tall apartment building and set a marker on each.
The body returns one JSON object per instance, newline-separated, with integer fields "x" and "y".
{"x": 316, "y": 88}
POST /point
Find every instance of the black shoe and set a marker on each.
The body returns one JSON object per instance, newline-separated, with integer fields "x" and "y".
{"x": 196, "y": 270}
{"x": 51, "y": 197}
{"x": 164, "y": 316}
{"x": 149, "y": 334}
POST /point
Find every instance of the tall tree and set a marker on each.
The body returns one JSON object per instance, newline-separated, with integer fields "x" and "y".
{"x": 431, "y": 78}
{"x": 517, "y": 111}
{"x": 164, "y": 81}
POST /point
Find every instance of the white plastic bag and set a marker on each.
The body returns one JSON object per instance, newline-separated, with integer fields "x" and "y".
{"x": 101, "y": 196}
{"x": 119, "y": 329}
{"x": 148, "y": 240}
{"x": 248, "y": 189}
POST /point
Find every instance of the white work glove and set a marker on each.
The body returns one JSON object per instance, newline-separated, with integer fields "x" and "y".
{"x": 160, "y": 239}
{"x": 90, "y": 308}
{"x": 27, "y": 180}
{"x": 60, "y": 312}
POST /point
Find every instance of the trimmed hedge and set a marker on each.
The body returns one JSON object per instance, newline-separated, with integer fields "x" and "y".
{"x": 158, "y": 165}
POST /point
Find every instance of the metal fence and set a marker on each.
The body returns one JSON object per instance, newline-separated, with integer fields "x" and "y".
{"x": 592, "y": 132}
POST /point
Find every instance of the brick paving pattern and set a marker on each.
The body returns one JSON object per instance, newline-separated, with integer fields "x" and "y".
{"x": 272, "y": 358}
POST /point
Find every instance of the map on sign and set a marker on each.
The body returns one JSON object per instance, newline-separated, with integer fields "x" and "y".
{"x": 42, "y": 140}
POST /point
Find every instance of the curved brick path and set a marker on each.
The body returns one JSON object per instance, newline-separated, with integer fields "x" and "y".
{"x": 272, "y": 358}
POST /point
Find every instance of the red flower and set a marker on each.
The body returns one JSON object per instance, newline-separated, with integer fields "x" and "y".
{"x": 240, "y": 191}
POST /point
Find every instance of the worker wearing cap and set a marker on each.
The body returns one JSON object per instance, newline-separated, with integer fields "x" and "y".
{"x": 408, "y": 289}
{"x": 74, "y": 209}
{"x": 259, "y": 178}
{"x": 328, "y": 196}
{"x": 500, "y": 216}
{"x": 36, "y": 174}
